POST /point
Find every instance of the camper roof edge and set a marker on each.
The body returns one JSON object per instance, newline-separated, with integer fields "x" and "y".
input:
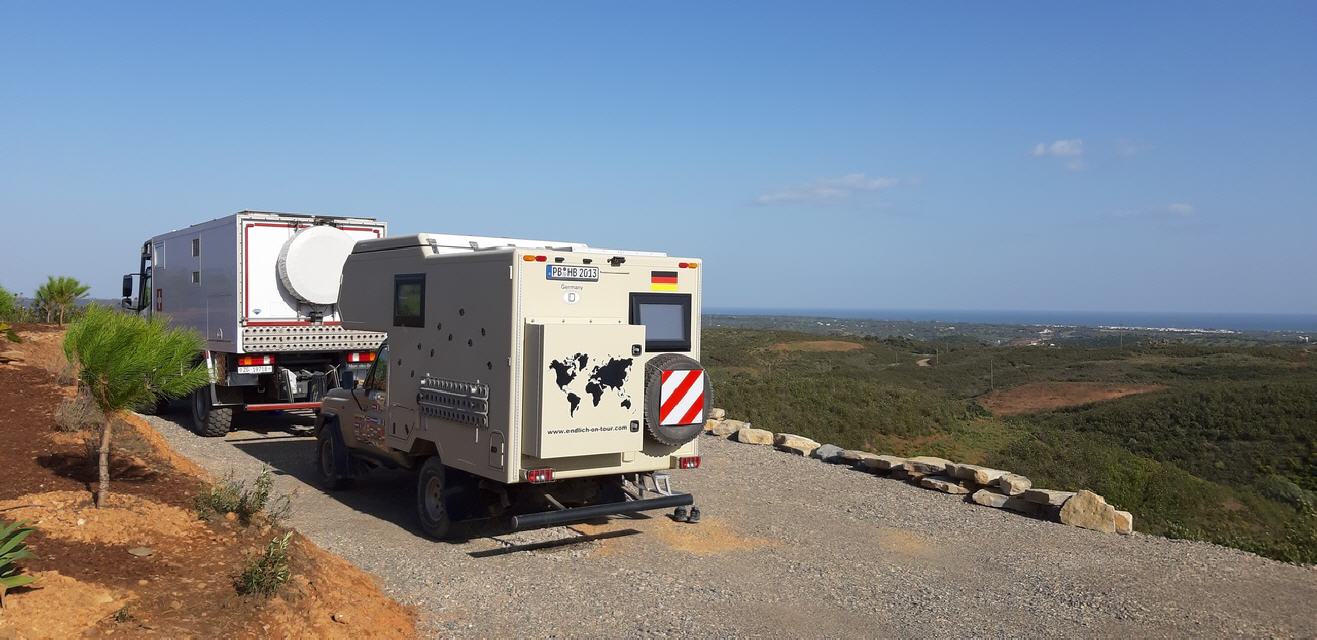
{"x": 450, "y": 243}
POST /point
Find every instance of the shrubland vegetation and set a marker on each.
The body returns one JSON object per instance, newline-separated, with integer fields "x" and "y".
{"x": 266, "y": 572}
{"x": 1223, "y": 451}
{"x": 244, "y": 501}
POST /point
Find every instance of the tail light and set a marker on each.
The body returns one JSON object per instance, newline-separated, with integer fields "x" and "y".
{"x": 254, "y": 361}
{"x": 539, "y": 476}
{"x": 688, "y": 462}
{"x": 361, "y": 356}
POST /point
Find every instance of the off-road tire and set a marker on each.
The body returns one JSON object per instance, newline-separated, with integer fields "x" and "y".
{"x": 432, "y": 499}
{"x": 161, "y": 407}
{"x": 209, "y": 421}
{"x": 330, "y": 453}
{"x": 673, "y": 436}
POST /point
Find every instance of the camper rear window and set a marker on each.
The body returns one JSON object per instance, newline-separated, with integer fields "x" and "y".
{"x": 409, "y": 300}
{"x": 667, "y": 320}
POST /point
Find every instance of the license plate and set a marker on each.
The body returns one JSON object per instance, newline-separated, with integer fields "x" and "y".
{"x": 571, "y": 272}
{"x": 264, "y": 368}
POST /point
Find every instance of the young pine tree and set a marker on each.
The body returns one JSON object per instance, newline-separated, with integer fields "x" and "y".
{"x": 128, "y": 362}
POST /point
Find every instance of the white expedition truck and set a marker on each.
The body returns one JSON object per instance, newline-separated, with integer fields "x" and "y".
{"x": 262, "y": 290}
{"x": 528, "y": 383}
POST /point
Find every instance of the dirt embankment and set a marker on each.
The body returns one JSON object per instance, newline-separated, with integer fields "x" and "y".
{"x": 1046, "y": 396}
{"x": 146, "y": 565}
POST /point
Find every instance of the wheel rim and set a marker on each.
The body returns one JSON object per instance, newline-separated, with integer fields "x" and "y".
{"x": 432, "y": 496}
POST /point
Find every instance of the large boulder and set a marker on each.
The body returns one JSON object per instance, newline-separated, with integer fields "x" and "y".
{"x": 828, "y": 453}
{"x": 792, "y": 443}
{"x": 974, "y": 473}
{"x": 750, "y": 435}
{"x": 1124, "y": 522}
{"x": 717, "y": 414}
{"x": 943, "y": 484}
{"x": 926, "y": 465}
{"x": 1090, "y": 511}
{"x": 728, "y": 427}
{"x": 710, "y": 425}
{"x": 880, "y": 464}
{"x": 1047, "y": 496}
{"x": 852, "y": 456}
{"x": 989, "y": 498}
{"x": 1013, "y": 484}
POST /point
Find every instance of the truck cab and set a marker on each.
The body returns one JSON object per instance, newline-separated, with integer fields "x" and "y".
{"x": 520, "y": 369}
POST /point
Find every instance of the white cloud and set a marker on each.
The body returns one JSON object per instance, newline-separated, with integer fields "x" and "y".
{"x": 1070, "y": 149}
{"x": 830, "y": 189}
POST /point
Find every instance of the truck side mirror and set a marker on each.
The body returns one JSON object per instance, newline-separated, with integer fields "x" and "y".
{"x": 128, "y": 286}
{"x": 347, "y": 379}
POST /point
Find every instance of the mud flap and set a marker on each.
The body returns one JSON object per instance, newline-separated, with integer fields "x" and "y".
{"x": 342, "y": 463}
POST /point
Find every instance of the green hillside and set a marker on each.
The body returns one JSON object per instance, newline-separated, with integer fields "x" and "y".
{"x": 1222, "y": 450}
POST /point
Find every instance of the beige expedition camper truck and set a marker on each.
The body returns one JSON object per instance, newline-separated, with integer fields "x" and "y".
{"x": 530, "y": 383}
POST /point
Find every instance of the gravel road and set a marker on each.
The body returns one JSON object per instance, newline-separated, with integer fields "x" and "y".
{"x": 789, "y": 547}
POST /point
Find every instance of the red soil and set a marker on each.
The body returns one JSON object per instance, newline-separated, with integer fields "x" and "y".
{"x": 1045, "y": 396}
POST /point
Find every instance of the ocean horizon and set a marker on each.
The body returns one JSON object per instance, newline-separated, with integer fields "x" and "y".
{"x": 1288, "y": 322}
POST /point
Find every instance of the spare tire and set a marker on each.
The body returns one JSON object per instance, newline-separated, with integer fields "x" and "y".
{"x": 311, "y": 262}
{"x": 677, "y": 394}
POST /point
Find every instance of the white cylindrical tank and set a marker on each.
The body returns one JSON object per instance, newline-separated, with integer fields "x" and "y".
{"x": 311, "y": 262}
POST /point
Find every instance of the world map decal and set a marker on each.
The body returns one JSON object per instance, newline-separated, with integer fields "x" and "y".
{"x": 574, "y": 375}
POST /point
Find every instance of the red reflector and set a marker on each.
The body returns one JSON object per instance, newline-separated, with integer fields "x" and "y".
{"x": 688, "y": 462}
{"x": 682, "y": 265}
{"x": 541, "y": 258}
{"x": 254, "y": 361}
{"x": 538, "y": 476}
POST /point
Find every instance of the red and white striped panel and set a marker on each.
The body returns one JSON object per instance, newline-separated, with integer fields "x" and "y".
{"x": 682, "y": 399}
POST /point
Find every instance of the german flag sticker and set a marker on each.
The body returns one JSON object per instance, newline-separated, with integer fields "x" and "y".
{"x": 662, "y": 280}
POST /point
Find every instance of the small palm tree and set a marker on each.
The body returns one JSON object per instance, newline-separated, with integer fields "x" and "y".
{"x": 58, "y": 295}
{"x": 128, "y": 362}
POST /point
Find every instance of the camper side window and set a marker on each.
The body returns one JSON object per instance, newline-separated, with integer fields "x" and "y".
{"x": 667, "y": 320}
{"x": 409, "y": 300}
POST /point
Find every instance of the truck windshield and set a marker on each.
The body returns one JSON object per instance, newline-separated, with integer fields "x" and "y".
{"x": 379, "y": 374}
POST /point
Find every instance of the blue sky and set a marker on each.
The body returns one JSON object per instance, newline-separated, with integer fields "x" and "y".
{"x": 1115, "y": 156}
